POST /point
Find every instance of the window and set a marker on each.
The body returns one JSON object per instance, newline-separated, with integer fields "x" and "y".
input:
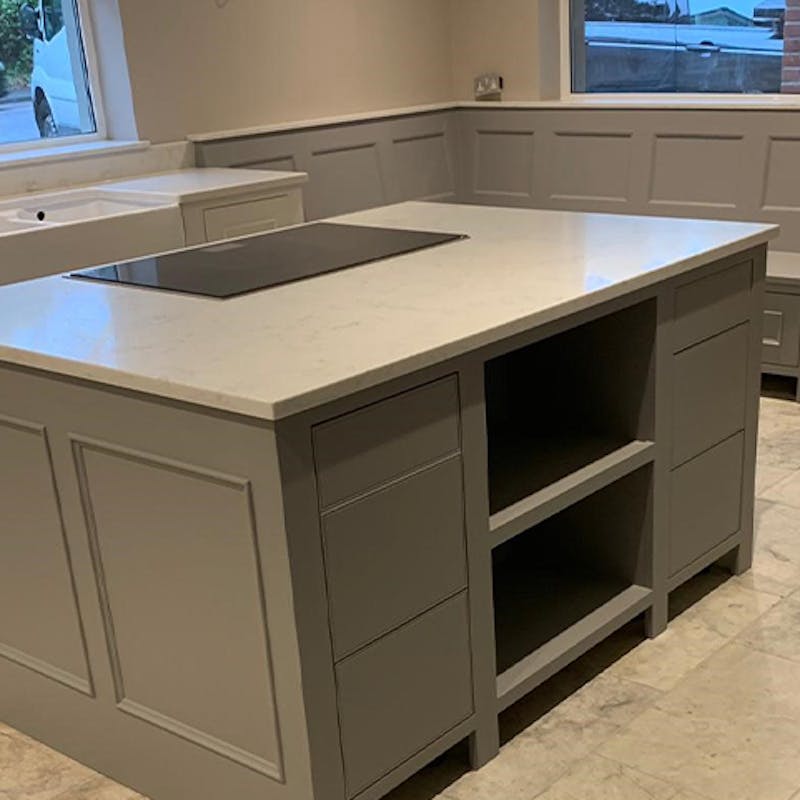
{"x": 679, "y": 46}
{"x": 45, "y": 89}
{"x": 52, "y": 17}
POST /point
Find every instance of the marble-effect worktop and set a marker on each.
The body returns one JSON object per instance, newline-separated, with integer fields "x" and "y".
{"x": 281, "y": 351}
{"x": 207, "y": 183}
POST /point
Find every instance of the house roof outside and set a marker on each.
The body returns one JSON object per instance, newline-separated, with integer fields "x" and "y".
{"x": 722, "y": 16}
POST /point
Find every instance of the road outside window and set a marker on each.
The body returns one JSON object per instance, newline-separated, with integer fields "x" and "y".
{"x": 44, "y": 84}
{"x": 686, "y": 46}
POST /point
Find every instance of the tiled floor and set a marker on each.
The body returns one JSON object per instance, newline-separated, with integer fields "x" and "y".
{"x": 711, "y": 709}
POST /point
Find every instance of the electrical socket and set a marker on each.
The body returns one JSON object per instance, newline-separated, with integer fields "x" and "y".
{"x": 489, "y": 86}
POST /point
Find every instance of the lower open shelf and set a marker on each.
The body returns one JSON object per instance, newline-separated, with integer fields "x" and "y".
{"x": 575, "y": 614}
{"x": 567, "y": 582}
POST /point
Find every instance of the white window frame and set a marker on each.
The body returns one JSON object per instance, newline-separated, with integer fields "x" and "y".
{"x": 663, "y": 99}
{"x": 87, "y": 30}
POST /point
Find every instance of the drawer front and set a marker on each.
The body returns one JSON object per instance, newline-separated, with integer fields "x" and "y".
{"x": 781, "y": 333}
{"x": 253, "y": 216}
{"x": 712, "y": 304}
{"x": 706, "y": 502}
{"x": 402, "y": 693}
{"x": 710, "y": 393}
{"x": 366, "y": 448}
{"x": 394, "y": 554}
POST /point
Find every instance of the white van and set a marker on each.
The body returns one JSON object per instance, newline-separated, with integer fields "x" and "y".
{"x": 59, "y": 87}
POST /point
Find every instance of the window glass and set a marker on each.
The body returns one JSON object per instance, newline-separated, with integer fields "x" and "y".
{"x": 681, "y": 46}
{"x": 44, "y": 84}
{"x": 53, "y": 16}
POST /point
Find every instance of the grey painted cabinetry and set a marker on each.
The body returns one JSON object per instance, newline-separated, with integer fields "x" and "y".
{"x": 781, "y": 343}
{"x": 715, "y": 361}
{"x": 780, "y": 352}
{"x": 206, "y": 605}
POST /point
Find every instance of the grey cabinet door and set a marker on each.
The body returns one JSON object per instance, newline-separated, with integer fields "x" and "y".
{"x": 706, "y": 502}
{"x": 381, "y": 442}
{"x": 403, "y": 692}
{"x": 394, "y": 554}
{"x": 709, "y": 393}
{"x": 781, "y": 333}
{"x": 712, "y": 304}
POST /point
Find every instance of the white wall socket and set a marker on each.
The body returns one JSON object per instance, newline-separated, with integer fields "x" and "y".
{"x": 489, "y": 86}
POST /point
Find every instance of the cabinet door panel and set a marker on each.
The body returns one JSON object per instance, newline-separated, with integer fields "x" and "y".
{"x": 394, "y": 554}
{"x": 252, "y": 216}
{"x": 712, "y": 304}
{"x": 403, "y": 692}
{"x": 360, "y": 451}
{"x": 710, "y": 393}
{"x": 706, "y": 502}
{"x": 781, "y": 336}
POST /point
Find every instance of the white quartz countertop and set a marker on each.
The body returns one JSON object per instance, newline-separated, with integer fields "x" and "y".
{"x": 283, "y": 350}
{"x": 196, "y": 185}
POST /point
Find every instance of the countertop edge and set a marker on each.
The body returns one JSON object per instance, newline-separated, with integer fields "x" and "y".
{"x": 201, "y": 195}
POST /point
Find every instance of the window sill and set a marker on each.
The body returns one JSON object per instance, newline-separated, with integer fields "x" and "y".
{"x": 71, "y": 151}
{"x": 653, "y": 102}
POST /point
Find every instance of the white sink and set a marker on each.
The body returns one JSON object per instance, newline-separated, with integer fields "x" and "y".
{"x": 82, "y": 205}
{"x": 62, "y": 231}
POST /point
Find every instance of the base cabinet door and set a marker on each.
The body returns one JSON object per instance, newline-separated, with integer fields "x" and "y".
{"x": 706, "y": 502}
{"x": 781, "y": 333}
{"x": 403, "y": 692}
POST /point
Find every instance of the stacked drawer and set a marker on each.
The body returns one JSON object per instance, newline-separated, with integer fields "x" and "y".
{"x": 711, "y": 338}
{"x": 390, "y": 487}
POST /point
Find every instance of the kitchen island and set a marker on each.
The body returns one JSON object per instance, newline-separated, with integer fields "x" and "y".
{"x": 296, "y": 544}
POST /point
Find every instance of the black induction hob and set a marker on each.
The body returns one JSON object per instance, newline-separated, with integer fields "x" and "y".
{"x": 246, "y": 265}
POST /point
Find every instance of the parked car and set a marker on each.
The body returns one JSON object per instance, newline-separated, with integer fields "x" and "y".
{"x": 666, "y": 57}
{"x": 53, "y": 87}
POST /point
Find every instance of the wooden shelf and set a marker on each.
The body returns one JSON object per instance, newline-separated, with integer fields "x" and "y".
{"x": 557, "y": 626}
{"x": 585, "y": 479}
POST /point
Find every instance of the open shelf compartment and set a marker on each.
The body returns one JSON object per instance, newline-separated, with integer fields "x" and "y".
{"x": 563, "y": 585}
{"x": 561, "y": 405}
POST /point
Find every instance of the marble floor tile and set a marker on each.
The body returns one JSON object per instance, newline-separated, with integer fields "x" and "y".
{"x": 598, "y": 778}
{"x": 786, "y": 491}
{"x": 763, "y": 583}
{"x": 767, "y": 477}
{"x": 777, "y": 543}
{"x": 699, "y": 631}
{"x": 730, "y": 730}
{"x": 525, "y": 767}
{"x": 605, "y": 697}
{"x": 779, "y": 435}
{"x": 31, "y": 771}
{"x": 548, "y": 748}
{"x": 100, "y": 788}
{"x": 777, "y": 632}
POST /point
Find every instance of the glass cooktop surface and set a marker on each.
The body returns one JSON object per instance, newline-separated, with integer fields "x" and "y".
{"x": 228, "y": 269}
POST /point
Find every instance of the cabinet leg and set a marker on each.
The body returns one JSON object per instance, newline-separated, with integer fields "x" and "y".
{"x": 484, "y": 745}
{"x": 739, "y": 560}
{"x": 656, "y": 617}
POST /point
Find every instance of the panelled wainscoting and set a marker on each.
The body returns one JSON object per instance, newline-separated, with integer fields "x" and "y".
{"x": 742, "y": 164}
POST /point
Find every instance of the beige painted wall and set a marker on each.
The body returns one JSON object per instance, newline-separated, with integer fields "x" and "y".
{"x": 496, "y": 36}
{"x": 208, "y": 65}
